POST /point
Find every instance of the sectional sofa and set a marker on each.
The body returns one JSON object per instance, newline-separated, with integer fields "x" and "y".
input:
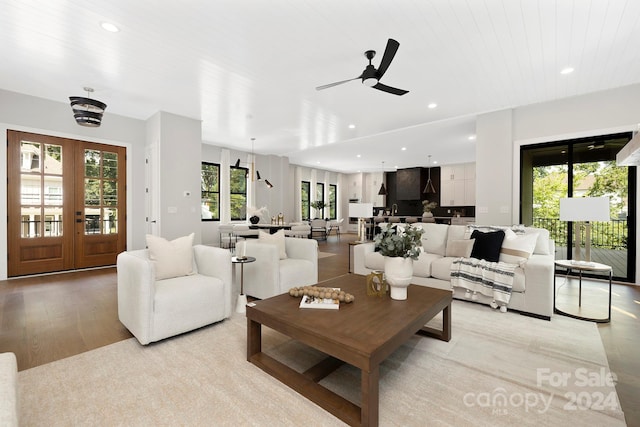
{"x": 532, "y": 291}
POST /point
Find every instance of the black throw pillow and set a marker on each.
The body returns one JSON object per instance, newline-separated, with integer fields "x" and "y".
{"x": 487, "y": 245}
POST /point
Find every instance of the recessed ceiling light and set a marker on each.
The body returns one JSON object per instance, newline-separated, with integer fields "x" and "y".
{"x": 432, "y": 105}
{"x": 472, "y": 137}
{"x": 108, "y": 26}
{"x": 318, "y": 162}
{"x": 435, "y": 162}
{"x": 358, "y": 155}
{"x": 404, "y": 148}
{"x": 352, "y": 126}
{"x": 567, "y": 70}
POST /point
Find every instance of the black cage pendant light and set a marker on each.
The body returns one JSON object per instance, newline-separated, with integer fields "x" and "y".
{"x": 429, "y": 187}
{"x": 87, "y": 112}
{"x": 383, "y": 190}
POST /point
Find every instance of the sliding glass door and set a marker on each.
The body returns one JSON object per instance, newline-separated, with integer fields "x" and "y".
{"x": 582, "y": 168}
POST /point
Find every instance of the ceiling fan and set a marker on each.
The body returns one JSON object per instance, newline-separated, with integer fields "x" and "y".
{"x": 370, "y": 76}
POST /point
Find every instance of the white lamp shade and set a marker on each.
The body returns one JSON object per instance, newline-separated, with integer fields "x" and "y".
{"x": 360, "y": 210}
{"x": 585, "y": 209}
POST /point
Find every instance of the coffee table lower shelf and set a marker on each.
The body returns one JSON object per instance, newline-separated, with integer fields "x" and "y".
{"x": 307, "y": 385}
{"x": 365, "y": 343}
{"x": 307, "y": 382}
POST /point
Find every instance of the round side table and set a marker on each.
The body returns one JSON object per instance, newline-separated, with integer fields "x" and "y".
{"x": 242, "y": 298}
{"x": 582, "y": 267}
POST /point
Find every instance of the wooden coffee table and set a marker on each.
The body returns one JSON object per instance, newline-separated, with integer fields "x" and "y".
{"x": 359, "y": 333}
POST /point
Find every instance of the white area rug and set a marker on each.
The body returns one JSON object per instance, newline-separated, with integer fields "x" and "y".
{"x": 498, "y": 370}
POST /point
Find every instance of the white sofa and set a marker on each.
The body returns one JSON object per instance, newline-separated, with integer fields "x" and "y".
{"x": 156, "y": 309}
{"x": 8, "y": 390}
{"x": 272, "y": 274}
{"x": 532, "y": 291}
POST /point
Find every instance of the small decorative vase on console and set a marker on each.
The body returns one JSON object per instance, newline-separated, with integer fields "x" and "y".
{"x": 254, "y": 219}
{"x": 398, "y": 272}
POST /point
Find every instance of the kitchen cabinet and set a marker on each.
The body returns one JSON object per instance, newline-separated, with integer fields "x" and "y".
{"x": 452, "y": 172}
{"x": 458, "y": 185}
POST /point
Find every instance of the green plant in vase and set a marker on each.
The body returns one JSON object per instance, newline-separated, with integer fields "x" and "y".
{"x": 405, "y": 243}
{"x": 426, "y": 208}
{"x": 319, "y": 207}
{"x": 400, "y": 246}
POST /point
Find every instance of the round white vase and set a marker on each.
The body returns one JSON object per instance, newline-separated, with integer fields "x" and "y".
{"x": 398, "y": 272}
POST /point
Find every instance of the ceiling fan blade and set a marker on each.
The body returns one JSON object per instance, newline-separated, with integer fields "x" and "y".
{"x": 389, "y": 53}
{"x": 390, "y": 89}
{"x": 336, "y": 83}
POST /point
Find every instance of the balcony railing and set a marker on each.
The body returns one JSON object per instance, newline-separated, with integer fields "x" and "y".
{"x": 608, "y": 242}
{"x": 605, "y": 235}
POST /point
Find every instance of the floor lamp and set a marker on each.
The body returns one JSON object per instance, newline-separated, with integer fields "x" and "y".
{"x": 362, "y": 211}
{"x": 583, "y": 210}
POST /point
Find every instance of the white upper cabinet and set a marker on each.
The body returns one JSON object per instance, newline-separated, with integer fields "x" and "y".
{"x": 452, "y": 172}
{"x": 458, "y": 185}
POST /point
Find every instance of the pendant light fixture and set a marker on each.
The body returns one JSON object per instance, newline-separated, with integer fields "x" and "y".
{"x": 383, "y": 190}
{"x": 87, "y": 112}
{"x": 257, "y": 176}
{"x": 429, "y": 187}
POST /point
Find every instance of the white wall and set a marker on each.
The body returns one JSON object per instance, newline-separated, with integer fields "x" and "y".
{"x": 599, "y": 113}
{"x": 37, "y": 115}
{"x": 278, "y": 199}
{"x": 494, "y": 147}
{"x": 179, "y": 142}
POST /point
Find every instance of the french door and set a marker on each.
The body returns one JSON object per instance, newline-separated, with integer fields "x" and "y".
{"x": 65, "y": 202}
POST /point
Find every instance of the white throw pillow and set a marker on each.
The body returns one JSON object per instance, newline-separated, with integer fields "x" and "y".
{"x": 171, "y": 258}
{"x": 542, "y": 246}
{"x": 274, "y": 239}
{"x": 434, "y": 238}
{"x": 460, "y": 248}
{"x": 516, "y": 249}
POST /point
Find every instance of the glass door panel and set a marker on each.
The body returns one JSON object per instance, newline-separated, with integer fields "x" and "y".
{"x": 35, "y": 203}
{"x": 581, "y": 168}
{"x": 102, "y": 176}
{"x": 64, "y": 198}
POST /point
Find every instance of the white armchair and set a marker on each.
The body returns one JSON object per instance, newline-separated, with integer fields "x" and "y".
{"x": 269, "y": 275}
{"x": 156, "y": 309}
{"x": 8, "y": 390}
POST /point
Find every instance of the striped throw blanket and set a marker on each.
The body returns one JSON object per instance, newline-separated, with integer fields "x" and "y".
{"x": 493, "y": 279}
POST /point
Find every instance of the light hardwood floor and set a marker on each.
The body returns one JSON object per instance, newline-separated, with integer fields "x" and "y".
{"x": 50, "y": 317}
